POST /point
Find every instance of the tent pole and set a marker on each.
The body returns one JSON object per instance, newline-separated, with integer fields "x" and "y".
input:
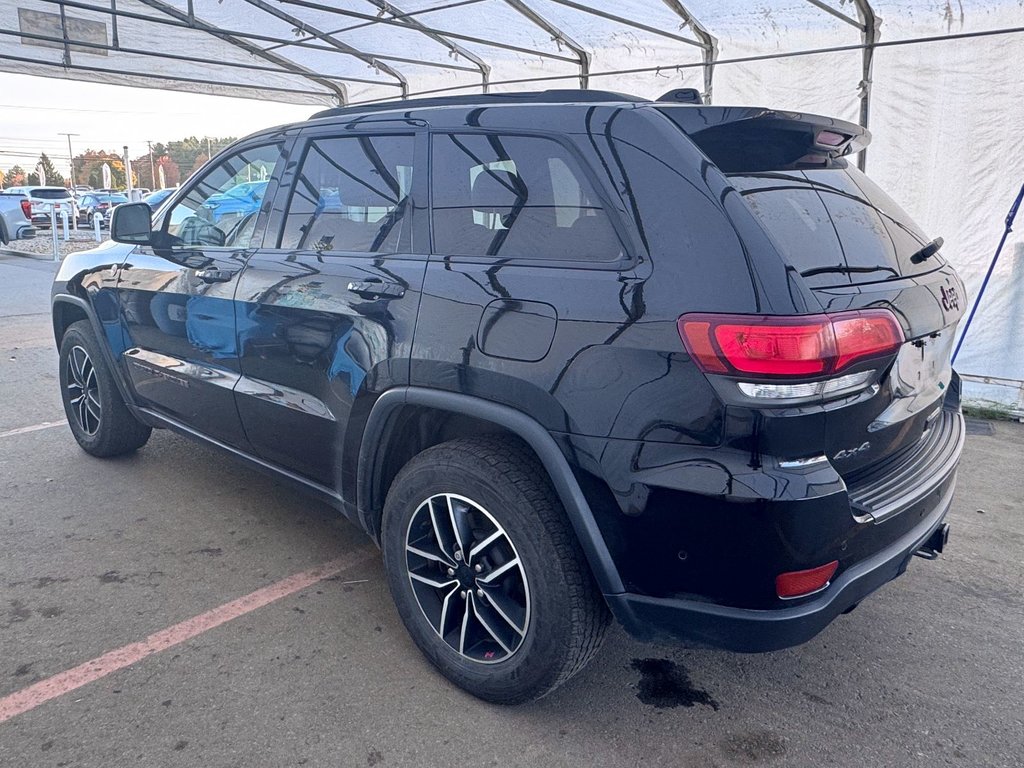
{"x": 984, "y": 283}
{"x": 482, "y": 67}
{"x": 558, "y": 36}
{"x": 339, "y": 89}
{"x": 708, "y": 42}
{"x": 302, "y": 26}
{"x": 869, "y": 35}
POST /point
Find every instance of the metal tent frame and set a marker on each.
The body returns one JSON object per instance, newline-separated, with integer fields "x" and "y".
{"x": 322, "y": 51}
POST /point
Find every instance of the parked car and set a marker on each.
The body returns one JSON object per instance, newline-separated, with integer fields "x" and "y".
{"x": 154, "y": 199}
{"x": 42, "y": 199}
{"x": 15, "y": 218}
{"x": 563, "y": 355}
{"x": 95, "y": 202}
{"x": 237, "y": 202}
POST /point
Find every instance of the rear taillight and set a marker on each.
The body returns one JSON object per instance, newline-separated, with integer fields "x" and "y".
{"x": 26, "y": 208}
{"x": 801, "y": 348}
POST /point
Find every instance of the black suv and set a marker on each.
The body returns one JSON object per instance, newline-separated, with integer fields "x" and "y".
{"x": 563, "y": 355}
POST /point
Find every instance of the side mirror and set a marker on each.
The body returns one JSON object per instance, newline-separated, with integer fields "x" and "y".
{"x": 131, "y": 223}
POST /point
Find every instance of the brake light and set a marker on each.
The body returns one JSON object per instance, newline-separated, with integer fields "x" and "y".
{"x": 788, "y": 347}
{"x": 26, "y": 208}
{"x": 831, "y": 138}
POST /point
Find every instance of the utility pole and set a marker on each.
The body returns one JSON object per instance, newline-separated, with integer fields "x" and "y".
{"x": 209, "y": 151}
{"x": 71, "y": 157}
{"x": 152, "y": 169}
{"x": 128, "y": 173}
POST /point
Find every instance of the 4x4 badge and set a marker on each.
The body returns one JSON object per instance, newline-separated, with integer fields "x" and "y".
{"x": 849, "y": 453}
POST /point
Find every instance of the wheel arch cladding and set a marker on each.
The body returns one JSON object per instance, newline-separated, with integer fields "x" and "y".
{"x": 382, "y": 432}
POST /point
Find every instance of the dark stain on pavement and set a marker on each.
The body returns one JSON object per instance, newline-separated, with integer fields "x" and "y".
{"x": 816, "y": 698}
{"x": 52, "y": 612}
{"x": 24, "y": 669}
{"x": 374, "y": 757}
{"x": 45, "y": 581}
{"x": 182, "y": 743}
{"x": 211, "y": 551}
{"x": 40, "y": 582}
{"x": 112, "y": 577}
{"x": 664, "y": 685}
{"x": 753, "y": 747}
{"x": 19, "y": 612}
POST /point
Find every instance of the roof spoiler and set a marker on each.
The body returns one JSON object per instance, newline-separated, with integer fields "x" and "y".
{"x": 716, "y": 127}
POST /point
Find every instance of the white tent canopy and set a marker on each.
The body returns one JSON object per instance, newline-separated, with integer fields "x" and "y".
{"x": 937, "y": 81}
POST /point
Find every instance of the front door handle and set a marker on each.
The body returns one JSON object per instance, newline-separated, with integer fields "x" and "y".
{"x": 376, "y": 289}
{"x": 214, "y": 275}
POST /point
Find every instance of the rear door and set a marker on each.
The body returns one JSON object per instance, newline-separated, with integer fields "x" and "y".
{"x": 328, "y": 307}
{"x": 178, "y": 300}
{"x": 525, "y": 287}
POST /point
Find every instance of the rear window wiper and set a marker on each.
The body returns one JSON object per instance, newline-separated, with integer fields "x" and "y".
{"x": 928, "y": 251}
{"x": 847, "y": 270}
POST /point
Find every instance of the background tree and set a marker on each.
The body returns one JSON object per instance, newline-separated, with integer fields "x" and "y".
{"x": 53, "y": 178}
{"x": 89, "y": 169}
{"x": 15, "y": 176}
{"x": 198, "y": 163}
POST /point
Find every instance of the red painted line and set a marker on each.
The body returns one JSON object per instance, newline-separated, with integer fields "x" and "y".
{"x": 65, "y": 682}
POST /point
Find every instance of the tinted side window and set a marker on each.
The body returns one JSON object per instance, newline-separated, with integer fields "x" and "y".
{"x": 353, "y": 194}
{"x": 222, "y": 207}
{"x": 515, "y": 197}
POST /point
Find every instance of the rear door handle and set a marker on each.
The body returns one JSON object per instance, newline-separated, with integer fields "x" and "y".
{"x": 376, "y": 289}
{"x": 214, "y": 275}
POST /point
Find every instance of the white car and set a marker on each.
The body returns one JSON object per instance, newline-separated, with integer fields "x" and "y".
{"x": 15, "y": 223}
{"x": 43, "y": 198}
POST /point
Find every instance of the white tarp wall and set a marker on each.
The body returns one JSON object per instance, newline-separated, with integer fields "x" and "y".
{"x": 944, "y": 115}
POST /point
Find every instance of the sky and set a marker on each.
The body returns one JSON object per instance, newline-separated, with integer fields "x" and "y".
{"x": 35, "y": 110}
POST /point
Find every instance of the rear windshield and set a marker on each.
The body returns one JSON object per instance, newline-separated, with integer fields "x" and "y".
{"x": 44, "y": 193}
{"x": 112, "y": 198}
{"x": 835, "y": 225}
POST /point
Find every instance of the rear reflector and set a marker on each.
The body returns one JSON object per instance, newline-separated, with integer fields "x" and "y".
{"x": 800, "y": 346}
{"x": 800, "y": 583}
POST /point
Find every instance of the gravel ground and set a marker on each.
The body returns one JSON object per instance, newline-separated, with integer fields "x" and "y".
{"x": 42, "y": 243}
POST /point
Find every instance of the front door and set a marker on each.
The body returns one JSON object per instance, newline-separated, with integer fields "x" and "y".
{"x": 178, "y": 295}
{"x": 326, "y": 317}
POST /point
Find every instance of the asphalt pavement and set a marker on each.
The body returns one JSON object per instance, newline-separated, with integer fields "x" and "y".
{"x": 97, "y": 556}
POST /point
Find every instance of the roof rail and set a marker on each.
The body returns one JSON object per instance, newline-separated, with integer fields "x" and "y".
{"x": 553, "y": 96}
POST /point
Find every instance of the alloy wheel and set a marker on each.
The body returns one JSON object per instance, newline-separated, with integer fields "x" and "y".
{"x": 467, "y": 578}
{"x": 83, "y": 390}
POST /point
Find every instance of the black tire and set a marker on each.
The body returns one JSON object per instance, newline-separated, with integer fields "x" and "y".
{"x": 96, "y": 413}
{"x": 563, "y": 615}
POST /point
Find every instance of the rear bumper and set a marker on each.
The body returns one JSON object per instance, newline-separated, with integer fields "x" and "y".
{"x": 702, "y": 624}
